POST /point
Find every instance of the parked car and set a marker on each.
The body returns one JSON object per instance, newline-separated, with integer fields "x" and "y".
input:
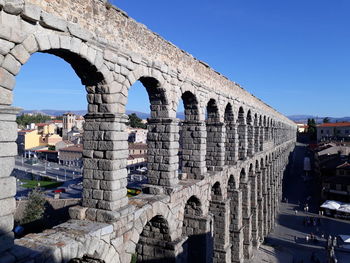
{"x": 60, "y": 190}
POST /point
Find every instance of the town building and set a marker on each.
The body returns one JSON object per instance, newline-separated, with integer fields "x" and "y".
{"x": 332, "y": 168}
{"x": 63, "y": 144}
{"x": 137, "y": 135}
{"x": 137, "y": 159}
{"x": 333, "y": 131}
{"x": 27, "y": 139}
{"x": 71, "y": 155}
{"x": 72, "y": 122}
{"x": 302, "y": 127}
{"x": 42, "y": 136}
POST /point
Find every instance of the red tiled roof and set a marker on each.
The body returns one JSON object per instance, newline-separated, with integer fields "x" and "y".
{"x": 41, "y": 124}
{"x": 45, "y": 151}
{"x": 335, "y": 124}
{"x": 75, "y": 148}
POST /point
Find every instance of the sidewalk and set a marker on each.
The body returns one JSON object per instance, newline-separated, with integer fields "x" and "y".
{"x": 271, "y": 255}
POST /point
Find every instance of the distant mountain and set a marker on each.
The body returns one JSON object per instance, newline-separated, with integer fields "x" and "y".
{"x": 142, "y": 115}
{"x": 303, "y": 118}
{"x": 54, "y": 112}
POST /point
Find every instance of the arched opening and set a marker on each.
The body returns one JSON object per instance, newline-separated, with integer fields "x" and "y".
{"x": 219, "y": 209}
{"x": 256, "y": 133}
{"x": 271, "y": 130}
{"x": 250, "y": 134}
{"x": 216, "y": 193}
{"x": 242, "y": 135}
{"x": 235, "y": 198}
{"x": 261, "y": 198}
{"x": 230, "y": 144}
{"x": 246, "y": 213}
{"x": 159, "y": 144}
{"x": 214, "y": 152}
{"x": 154, "y": 244}
{"x": 266, "y": 124}
{"x": 254, "y": 204}
{"x": 50, "y": 142}
{"x": 192, "y": 139}
{"x": 261, "y": 134}
{"x": 197, "y": 228}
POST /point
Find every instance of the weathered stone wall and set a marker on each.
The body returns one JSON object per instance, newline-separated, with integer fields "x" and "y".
{"x": 109, "y": 52}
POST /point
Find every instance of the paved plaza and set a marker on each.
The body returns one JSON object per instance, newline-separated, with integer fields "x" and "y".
{"x": 287, "y": 242}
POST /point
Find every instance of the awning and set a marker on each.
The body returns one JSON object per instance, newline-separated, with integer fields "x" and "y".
{"x": 345, "y": 238}
{"x": 332, "y": 205}
{"x": 344, "y": 208}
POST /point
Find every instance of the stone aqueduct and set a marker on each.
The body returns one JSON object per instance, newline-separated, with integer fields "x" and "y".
{"x": 234, "y": 147}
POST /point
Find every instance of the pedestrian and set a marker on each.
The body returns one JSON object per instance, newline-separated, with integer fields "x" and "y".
{"x": 335, "y": 242}
{"x": 307, "y": 238}
{"x": 295, "y": 211}
{"x": 329, "y": 242}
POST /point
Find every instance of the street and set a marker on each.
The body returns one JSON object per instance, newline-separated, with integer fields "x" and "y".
{"x": 289, "y": 234}
{"x": 50, "y": 169}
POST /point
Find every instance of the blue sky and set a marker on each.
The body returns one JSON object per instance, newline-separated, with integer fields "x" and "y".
{"x": 294, "y": 55}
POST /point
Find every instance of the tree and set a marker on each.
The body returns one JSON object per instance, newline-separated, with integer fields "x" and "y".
{"x": 35, "y": 207}
{"x": 136, "y": 122}
{"x": 25, "y": 119}
{"x": 326, "y": 120}
{"x": 312, "y": 128}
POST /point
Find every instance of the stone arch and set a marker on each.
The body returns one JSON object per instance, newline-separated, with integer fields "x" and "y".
{"x": 91, "y": 69}
{"x": 230, "y": 143}
{"x": 243, "y": 176}
{"x": 265, "y": 126}
{"x": 271, "y": 129}
{"x": 64, "y": 47}
{"x": 242, "y": 135}
{"x": 256, "y": 133}
{"x": 191, "y": 139}
{"x": 245, "y": 187}
{"x": 197, "y": 228}
{"x": 253, "y": 177}
{"x": 213, "y": 115}
{"x": 261, "y": 133}
{"x": 154, "y": 242}
{"x": 215, "y": 154}
{"x": 191, "y": 106}
{"x": 231, "y": 184}
{"x": 235, "y": 197}
{"x": 216, "y": 192}
{"x": 250, "y": 134}
{"x": 219, "y": 209}
{"x": 162, "y": 115}
{"x": 157, "y": 89}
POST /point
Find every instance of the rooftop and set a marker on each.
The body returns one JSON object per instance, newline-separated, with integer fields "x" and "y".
{"x": 336, "y": 124}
